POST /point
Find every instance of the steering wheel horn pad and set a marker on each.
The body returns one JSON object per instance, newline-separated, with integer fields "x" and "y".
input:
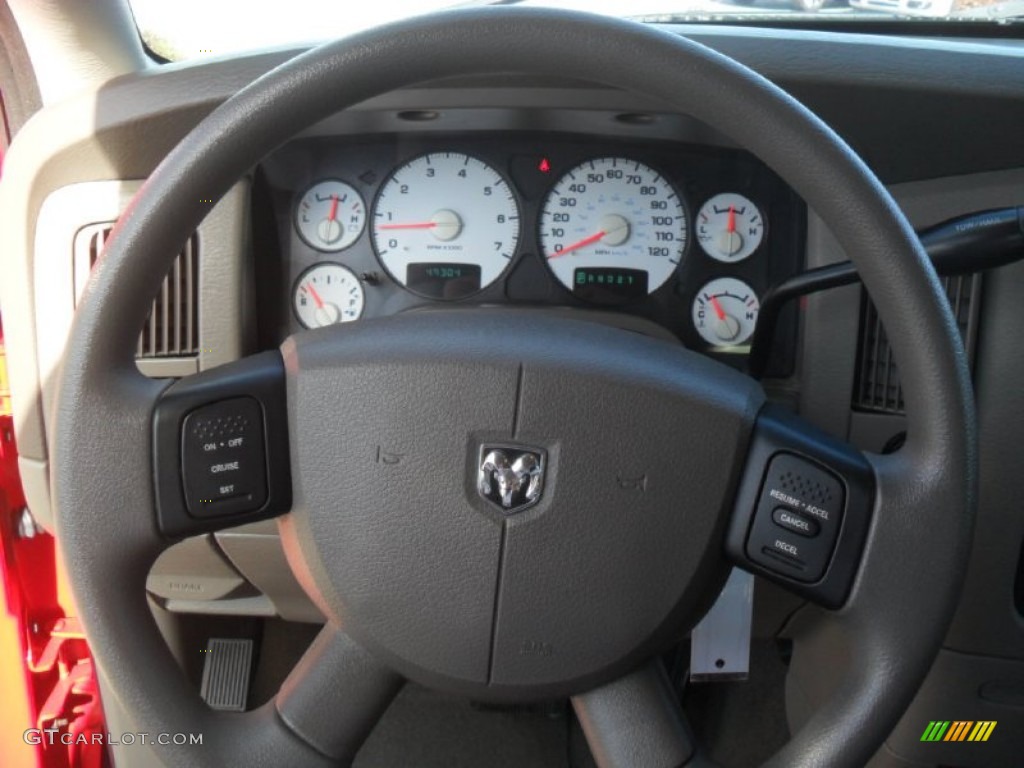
{"x": 388, "y": 423}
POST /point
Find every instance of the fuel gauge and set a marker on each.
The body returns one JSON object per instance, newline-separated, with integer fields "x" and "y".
{"x": 725, "y": 312}
{"x": 330, "y": 216}
{"x": 327, "y": 294}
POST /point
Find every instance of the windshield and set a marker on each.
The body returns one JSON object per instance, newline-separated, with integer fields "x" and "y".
{"x": 188, "y": 29}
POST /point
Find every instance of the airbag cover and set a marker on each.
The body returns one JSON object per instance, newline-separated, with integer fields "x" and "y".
{"x": 389, "y": 419}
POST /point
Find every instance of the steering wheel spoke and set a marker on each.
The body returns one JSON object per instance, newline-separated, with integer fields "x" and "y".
{"x": 220, "y": 448}
{"x": 335, "y": 695}
{"x": 802, "y": 509}
{"x": 636, "y": 720}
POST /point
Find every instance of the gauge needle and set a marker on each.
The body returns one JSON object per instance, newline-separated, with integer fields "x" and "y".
{"x": 731, "y": 223}
{"x": 716, "y": 305}
{"x": 334, "y": 208}
{"x": 316, "y": 296}
{"x": 580, "y": 244}
{"x": 416, "y": 225}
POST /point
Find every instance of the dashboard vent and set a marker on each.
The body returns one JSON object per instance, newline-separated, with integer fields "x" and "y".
{"x": 172, "y": 327}
{"x": 878, "y": 388}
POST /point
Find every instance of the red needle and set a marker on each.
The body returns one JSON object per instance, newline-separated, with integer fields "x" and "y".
{"x": 334, "y": 208}
{"x": 417, "y": 225}
{"x": 316, "y": 296}
{"x": 716, "y": 306}
{"x": 731, "y": 226}
{"x": 584, "y": 242}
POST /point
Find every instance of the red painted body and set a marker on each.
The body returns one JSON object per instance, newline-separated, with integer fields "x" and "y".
{"x": 46, "y": 672}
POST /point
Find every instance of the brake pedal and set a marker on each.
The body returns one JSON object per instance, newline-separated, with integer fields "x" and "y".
{"x": 226, "y": 673}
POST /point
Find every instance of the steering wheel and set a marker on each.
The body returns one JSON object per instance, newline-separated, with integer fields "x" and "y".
{"x": 658, "y": 466}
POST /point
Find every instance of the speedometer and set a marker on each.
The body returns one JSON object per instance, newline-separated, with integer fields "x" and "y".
{"x": 613, "y": 229}
{"x": 445, "y": 225}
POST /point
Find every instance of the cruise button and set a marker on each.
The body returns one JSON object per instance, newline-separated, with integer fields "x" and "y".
{"x": 795, "y": 522}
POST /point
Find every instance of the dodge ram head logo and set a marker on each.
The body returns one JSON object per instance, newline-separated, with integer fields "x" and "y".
{"x": 511, "y": 478}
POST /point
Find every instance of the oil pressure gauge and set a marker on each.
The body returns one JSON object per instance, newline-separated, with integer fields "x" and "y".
{"x": 330, "y": 216}
{"x": 729, "y": 227}
{"x": 725, "y": 312}
{"x": 326, "y": 294}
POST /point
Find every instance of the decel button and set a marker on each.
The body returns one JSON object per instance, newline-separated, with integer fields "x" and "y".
{"x": 795, "y": 522}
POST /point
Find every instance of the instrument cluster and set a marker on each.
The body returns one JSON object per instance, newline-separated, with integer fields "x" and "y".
{"x": 686, "y": 236}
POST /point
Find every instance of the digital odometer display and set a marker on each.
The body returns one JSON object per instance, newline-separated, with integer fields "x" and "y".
{"x": 617, "y": 214}
{"x": 604, "y": 284}
{"x": 441, "y": 280}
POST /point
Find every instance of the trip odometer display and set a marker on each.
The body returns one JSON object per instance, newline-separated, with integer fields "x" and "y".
{"x": 613, "y": 229}
{"x": 445, "y": 225}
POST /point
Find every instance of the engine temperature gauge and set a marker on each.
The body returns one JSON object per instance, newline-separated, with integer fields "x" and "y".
{"x": 725, "y": 312}
{"x": 729, "y": 227}
{"x": 327, "y": 294}
{"x": 330, "y": 216}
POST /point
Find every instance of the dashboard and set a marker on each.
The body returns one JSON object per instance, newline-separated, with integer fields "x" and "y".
{"x": 937, "y": 119}
{"x": 683, "y": 236}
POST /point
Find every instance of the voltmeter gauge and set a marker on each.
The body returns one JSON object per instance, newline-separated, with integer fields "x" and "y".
{"x": 326, "y": 294}
{"x": 330, "y": 216}
{"x": 725, "y": 312}
{"x": 729, "y": 227}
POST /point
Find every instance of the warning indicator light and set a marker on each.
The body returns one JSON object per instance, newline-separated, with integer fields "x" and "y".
{"x": 544, "y": 166}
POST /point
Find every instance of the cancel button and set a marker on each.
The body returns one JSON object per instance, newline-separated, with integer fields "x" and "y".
{"x": 795, "y": 522}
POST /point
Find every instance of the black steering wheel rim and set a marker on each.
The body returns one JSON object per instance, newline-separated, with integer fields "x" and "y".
{"x": 896, "y": 615}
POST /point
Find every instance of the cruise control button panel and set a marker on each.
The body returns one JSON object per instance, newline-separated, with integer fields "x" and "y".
{"x": 802, "y": 509}
{"x": 220, "y": 447}
{"x": 797, "y": 519}
{"x": 223, "y": 460}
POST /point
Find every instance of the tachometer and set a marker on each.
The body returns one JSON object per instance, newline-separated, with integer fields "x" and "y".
{"x": 613, "y": 229}
{"x": 445, "y": 225}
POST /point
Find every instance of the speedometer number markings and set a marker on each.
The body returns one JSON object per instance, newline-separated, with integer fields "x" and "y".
{"x": 608, "y": 222}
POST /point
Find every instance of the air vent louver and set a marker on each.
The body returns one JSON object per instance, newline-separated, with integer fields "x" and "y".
{"x": 877, "y": 388}
{"x": 172, "y": 327}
